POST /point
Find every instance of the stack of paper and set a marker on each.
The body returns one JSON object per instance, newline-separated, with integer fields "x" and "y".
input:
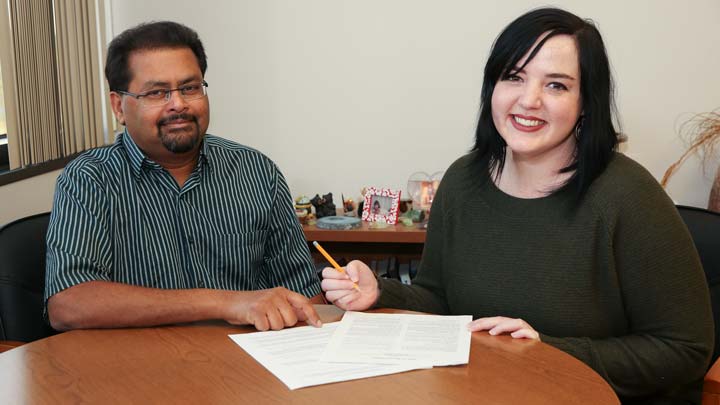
{"x": 361, "y": 345}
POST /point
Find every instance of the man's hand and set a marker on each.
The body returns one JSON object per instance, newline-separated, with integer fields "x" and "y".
{"x": 274, "y": 309}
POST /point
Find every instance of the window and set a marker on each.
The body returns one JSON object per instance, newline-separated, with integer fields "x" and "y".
{"x": 3, "y": 128}
{"x": 4, "y": 161}
{"x": 51, "y": 53}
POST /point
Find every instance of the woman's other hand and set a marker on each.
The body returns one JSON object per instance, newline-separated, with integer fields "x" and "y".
{"x": 340, "y": 287}
{"x": 496, "y": 325}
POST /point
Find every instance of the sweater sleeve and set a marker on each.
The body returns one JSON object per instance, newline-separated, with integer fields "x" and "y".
{"x": 666, "y": 300}
{"x": 427, "y": 293}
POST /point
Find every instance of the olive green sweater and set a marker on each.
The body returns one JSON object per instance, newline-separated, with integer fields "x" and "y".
{"x": 614, "y": 281}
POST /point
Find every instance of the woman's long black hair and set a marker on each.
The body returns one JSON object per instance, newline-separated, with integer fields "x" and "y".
{"x": 597, "y": 137}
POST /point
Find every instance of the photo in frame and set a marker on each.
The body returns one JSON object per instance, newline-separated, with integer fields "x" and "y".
{"x": 381, "y": 205}
{"x": 422, "y": 187}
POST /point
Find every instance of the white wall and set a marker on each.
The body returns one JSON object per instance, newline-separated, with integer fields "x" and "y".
{"x": 344, "y": 93}
{"x": 27, "y": 197}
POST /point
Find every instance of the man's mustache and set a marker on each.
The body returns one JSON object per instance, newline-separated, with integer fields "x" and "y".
{"x": 177, "y": 117}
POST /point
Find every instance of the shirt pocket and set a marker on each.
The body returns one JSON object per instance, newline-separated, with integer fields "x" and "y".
{"x": 237, "y": 259}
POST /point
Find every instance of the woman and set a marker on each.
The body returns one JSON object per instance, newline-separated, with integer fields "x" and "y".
{"x": 544, "y": 232}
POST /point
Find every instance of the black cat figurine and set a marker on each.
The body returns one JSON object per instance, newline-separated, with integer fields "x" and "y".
{"x": 324, "y": 206}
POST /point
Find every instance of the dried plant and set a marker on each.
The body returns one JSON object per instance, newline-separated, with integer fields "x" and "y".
{"x": 703, "y": 134}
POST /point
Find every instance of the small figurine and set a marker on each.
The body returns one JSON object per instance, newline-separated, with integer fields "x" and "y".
{"x": 361, "y": 204}
{"x": 303, "y": 203}
{"x": 348, "y": 207}
{"x": 303, "y": 209}
{"x": 324, "y": 206}
{"x": 415, "y": 215}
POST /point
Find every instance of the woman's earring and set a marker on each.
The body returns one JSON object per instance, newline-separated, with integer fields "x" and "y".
{"x": 578, "y": 127}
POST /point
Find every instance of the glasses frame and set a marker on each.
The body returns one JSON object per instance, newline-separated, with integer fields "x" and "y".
{"x": 140, "y": 96}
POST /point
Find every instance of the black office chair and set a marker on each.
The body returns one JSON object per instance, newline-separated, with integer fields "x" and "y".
{"x": 22, "y": 279}
{"x": 704, "y": 227}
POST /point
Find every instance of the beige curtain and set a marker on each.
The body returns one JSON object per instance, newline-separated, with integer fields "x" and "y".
{"x": 51, "y": 66}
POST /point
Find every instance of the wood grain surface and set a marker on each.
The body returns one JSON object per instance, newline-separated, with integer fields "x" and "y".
{"x": 199, "y": 364}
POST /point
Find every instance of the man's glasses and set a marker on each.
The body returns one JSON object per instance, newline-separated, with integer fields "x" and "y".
{"x": 156, "y": 98}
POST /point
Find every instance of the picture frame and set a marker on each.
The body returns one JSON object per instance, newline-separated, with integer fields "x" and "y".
{"x": 427, "y": 194}
{"x": 422, "y": 188}
{"x": 381, "y": 205}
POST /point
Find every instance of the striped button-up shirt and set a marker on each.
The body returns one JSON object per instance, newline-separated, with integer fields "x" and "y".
{"x": 119, "y": 216}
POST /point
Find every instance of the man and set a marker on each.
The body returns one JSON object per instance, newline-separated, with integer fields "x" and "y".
{"x": 169, "y": 225}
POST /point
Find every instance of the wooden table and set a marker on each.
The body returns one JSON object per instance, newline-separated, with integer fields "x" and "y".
{"x": 200, "y": 364}
{"x": 402, "y": 244}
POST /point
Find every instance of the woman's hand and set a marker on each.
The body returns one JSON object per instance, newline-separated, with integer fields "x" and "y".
{"x": 340, "y": 287}
{"x": 497, "y": 325}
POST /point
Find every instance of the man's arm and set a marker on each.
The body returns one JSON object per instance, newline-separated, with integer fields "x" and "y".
{"x": 103, "y": 304}
{"x": 287, "y": 260}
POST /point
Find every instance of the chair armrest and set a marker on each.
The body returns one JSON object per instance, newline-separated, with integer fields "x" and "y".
{"x": 6, "y": 345}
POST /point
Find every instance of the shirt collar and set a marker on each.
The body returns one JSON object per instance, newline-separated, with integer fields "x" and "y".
{"x": 203, "y": 159}
{"x": 138, "y": 159}
{"x": 135, "y": 155}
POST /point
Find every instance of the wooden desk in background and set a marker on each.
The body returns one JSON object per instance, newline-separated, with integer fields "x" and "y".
{"x": 399, "y": 244}
{"x": 200, "y": 364}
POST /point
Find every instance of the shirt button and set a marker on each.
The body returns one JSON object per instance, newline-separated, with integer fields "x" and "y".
{"x": 201, "y": 283}
{"x": 190, "y": 239}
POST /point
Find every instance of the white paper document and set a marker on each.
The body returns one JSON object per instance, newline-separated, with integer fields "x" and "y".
{"x": 293, "y": 356}
{"x": 400, "y": 339}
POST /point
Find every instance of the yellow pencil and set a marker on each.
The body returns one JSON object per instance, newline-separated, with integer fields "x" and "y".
{"x": 332, "y": 261}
